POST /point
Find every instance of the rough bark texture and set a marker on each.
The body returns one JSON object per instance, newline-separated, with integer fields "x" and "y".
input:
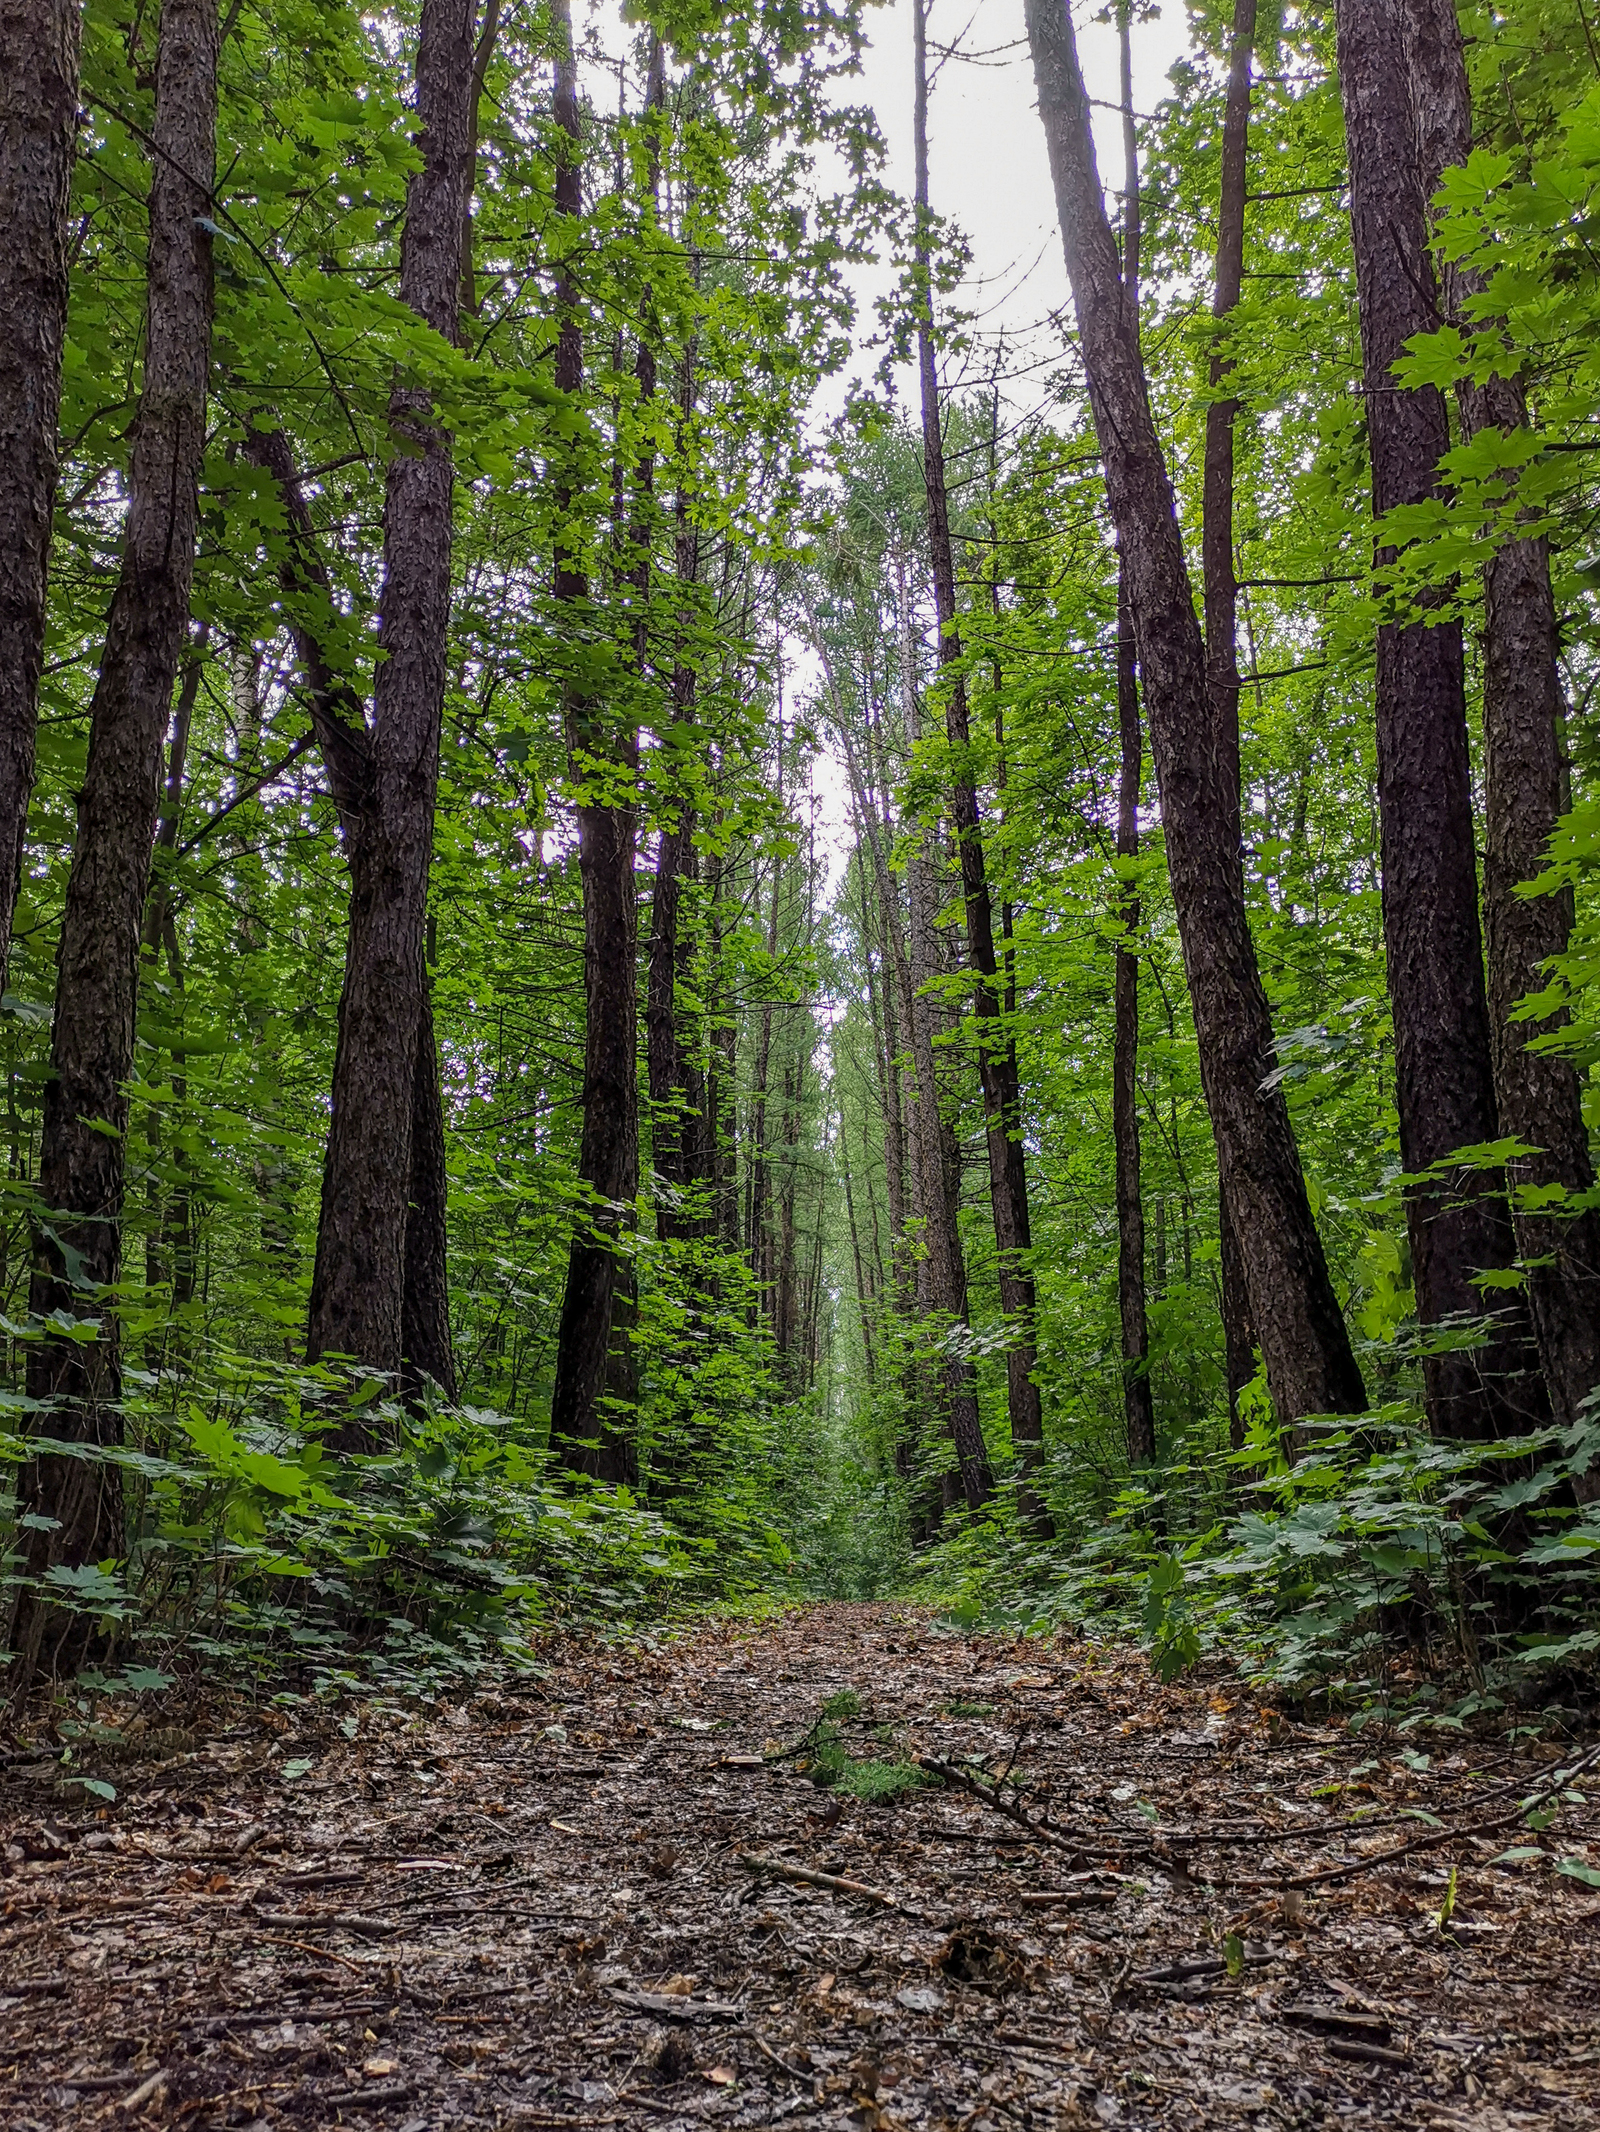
{"x": 39, "y": 42}
{"x": 1221, "y": 603}
{"x": 593, "y": 1348}
{"x": 1444, "y": 1085}
{"x": 1539, "y": 1097}
{"x": 358, "y": 1283}
{"x": 78, "y": 1248}
{"x": 997, "y": 1061}
{"x": 1138, "y": 1400}
{"x": 1310, "y": 1366}
{"x": 426, "y": 1351}
{"x": 339, "y": 723}
{"x": 942, "y": 1271}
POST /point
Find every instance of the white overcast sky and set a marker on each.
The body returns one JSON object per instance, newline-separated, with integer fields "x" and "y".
{"x": 988, "y": 175}
{"x": 986, "y": 156}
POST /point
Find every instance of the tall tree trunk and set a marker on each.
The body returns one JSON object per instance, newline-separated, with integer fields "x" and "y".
{"x": 1138, "y": 1399}
{"x": 78, "y": 1249}
{"x": 941, "y": 1237}
{"x": 1540, "y": 1101}
{"x": 39, "y": 41}
{"x": 997, "y": 1062}
{"x": 359, "y": 1281}
{"x": 344, "y": 739}
{"x": 1310, "y": 1364}
{"x": 1221, "y": 607}
{"x": 588, "y": 1436}
{"x": 1459, "y": 1225}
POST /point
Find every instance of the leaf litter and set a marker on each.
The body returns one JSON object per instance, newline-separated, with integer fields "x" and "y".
{"x": 645, "y": 1889}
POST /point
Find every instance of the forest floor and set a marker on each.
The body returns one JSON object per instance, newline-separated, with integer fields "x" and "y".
{"x": 541, "y": 1910}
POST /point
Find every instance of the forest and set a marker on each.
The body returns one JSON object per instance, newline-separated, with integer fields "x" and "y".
{"x": 800, "y": 915}
{"x": 685, "y": 929}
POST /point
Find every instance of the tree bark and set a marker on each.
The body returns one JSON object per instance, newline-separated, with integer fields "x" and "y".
{"x": 344, "y": 739}
{"x": 1221, "y": 608}
{"x": 1459, "y": 1225}
{"x": 358, "y": 1283}
{"x": 946, "y": 1275}
{"x": 1310, "y": 1365}
{"x": 78, "y": 1247}
{"x": 1138, "y": 1398}
{"x": 589, "y": 1426}
{"x": 1539, "y": 1096}
{"x": 997, "y": 1061}
{"x": 39, "y": 48}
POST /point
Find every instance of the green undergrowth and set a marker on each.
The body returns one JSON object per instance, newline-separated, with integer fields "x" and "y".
{"x": 258, "y": 1554}
{"x": 1381, "y": 1572}
{"x": 827, "y": 1760}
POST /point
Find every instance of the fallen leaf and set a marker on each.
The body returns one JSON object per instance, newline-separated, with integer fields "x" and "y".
{"x": 921, "y": 1998}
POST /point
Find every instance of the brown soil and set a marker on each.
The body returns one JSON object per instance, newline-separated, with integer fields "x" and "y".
{"x": 534, "y": 1910}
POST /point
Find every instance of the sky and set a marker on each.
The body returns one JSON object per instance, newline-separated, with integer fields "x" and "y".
{"x": 990, "y": 177}
{"x": 986, "y": 153}
{"x": 988, "y": 174}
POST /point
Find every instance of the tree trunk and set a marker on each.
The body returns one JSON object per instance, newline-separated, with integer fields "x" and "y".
{"x": 945, "y": 1269}
{"x": 358, "y": 1284}
{"x": 78, "y": 1249}
{"x": 426, "y": 1349}
{"x": 591, "y": 1417}
{"x": 1138, "y": 1399}
{"x": 1221, "y": 607}
{"x": 1310, "y": 1365}
{"x": 1459, "y": 1225}
{"x": 1539, "y": 1096}
{"x": 345, "y": 741}
{"x": 39, "y": 41}
{"x": 997, "y": 1063}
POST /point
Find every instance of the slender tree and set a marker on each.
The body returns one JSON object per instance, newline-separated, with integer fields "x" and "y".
{"x": 1539, "y": 1097}
{"x": 605, "y": 865}
{"x": 997, "y": 1058}
{"x": 1221, "y": 598}
{"x": 1457, "y": 1218}
{"x": 1311, "y": 1368}
{"x": 361, "y": 1275}
{"x": 78, "y": 1249}
{"x": 1138, "y": 1398}
{"x": 39, "y": 42}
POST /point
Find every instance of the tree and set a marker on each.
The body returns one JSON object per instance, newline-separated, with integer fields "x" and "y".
{"x": 360, "y": 1278}
{"x": 1138, "y": 1399}
{"x": 39, "y": 42}
{"x": 997, "y": 1059}
{"x": 1538, "y": 1094}
{"x": 74, "y": 1375}
{"x": 1222, "y": 596}
{"x": 1457, "y": 1217}
{"x": 1311, "y": 1368}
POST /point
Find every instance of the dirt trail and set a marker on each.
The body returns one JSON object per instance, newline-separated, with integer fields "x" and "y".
{"x": 533, "y": 1911}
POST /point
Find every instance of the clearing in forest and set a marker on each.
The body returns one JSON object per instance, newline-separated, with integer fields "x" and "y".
{"x": 620, "y": 1896}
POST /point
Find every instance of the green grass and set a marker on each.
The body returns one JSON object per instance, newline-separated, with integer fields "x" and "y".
{"x": 881, "y": 1783}
{"x": 845, "y": 1704}
{"x": 874, "y": 1781}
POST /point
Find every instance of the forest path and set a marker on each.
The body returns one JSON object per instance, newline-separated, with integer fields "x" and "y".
{"x": 533, "y": 1911}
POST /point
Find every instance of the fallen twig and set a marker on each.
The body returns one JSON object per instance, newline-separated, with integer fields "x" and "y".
{"x": 1014, "y": 1810}
{"x": 1434, "y": 1837}
{"x": 759, "y": 1862}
